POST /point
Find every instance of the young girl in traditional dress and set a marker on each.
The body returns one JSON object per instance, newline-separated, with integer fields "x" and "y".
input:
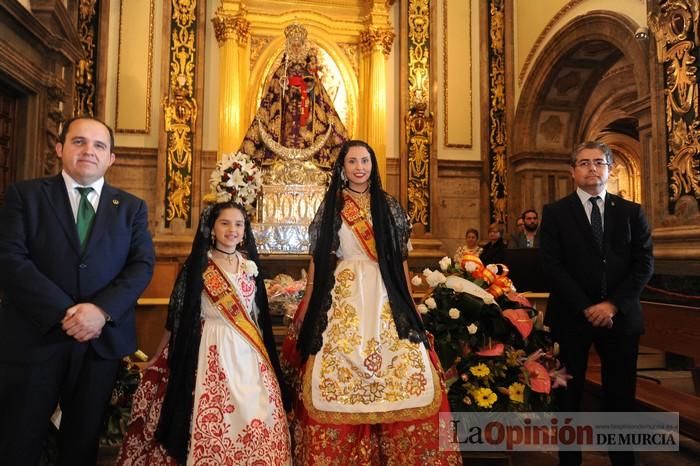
{"x": 371, "y": 389}
{"x": 212, "y": 395}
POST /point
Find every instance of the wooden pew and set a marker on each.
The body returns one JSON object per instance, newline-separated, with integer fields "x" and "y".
{"x": 674, "y": 329}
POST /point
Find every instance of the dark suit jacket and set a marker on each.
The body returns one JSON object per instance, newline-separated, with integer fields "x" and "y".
{"x": 43, "y": 272}
{"x": 518, "y": 240}
{"x": 576, "y": 266}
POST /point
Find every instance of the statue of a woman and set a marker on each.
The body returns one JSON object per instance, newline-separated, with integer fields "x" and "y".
{"x": 296, "y": 110}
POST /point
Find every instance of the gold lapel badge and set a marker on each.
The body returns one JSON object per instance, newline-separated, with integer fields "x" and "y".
{"x": 115, "y": 202}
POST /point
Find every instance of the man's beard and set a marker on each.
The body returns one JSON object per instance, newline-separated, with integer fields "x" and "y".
{"x": 531, "y": 228}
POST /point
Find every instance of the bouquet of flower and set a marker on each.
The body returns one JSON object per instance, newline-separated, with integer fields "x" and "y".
{"x": 284, "y": 294}
{"x": 236, "y": 178}
{"x": 492, "y": 342}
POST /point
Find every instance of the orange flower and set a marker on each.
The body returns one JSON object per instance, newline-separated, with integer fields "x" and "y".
{"x": 520, "y": 320}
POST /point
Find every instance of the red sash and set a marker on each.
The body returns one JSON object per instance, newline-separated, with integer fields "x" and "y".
{"x": 226, "y": 300}
{"x": 360, "y": 226}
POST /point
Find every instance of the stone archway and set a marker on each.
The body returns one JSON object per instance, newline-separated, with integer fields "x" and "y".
{"x": 591, "y": 81}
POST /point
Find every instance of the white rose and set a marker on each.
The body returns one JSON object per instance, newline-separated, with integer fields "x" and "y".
{"x": 430, "y": 302}
{"x": 435, "y": 278}
{"x": 416, "y": 280}
{"x": 469, "y": 267}
{"x": 250, "y": 268}
{"x": 493, "y": 268}
{"x": 454, "y": 313}
{"x": 472, "y": 328}
{"x": 427, "y": 272}
{"x": 422, "y": 308}
{"x": 445, "y": 263}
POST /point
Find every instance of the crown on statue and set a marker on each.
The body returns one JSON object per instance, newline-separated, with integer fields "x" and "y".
{"x": 295, "y": 32}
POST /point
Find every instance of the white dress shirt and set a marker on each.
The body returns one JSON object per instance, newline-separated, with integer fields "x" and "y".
{"x": 584, "y": 197}
{"x": 74, "y": 195}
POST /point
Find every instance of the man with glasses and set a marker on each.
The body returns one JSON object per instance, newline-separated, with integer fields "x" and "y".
{"x": 597, "y": 252}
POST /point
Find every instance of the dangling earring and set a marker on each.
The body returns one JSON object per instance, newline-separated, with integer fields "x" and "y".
{"x": 343, "y": 178}
{"x": 213, "y": 239}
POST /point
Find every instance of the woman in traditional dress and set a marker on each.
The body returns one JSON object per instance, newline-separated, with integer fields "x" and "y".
{"x": 371, "y": 388}
{"x": 212, "y": 395}
{"x": 472, "y": 247}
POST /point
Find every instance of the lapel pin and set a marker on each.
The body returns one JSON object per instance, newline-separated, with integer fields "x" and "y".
{"x": 115, "y": 202}
{"x": 612, "y": 203}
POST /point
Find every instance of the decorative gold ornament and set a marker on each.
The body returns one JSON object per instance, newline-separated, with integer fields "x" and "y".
{"x": 380, "y": 38}
{"x": 180, "y": 113}
{"x": 677, "y": 33}
{"x": 497, "y": 112}
{"x": 419, "y": 120}
{"x": 84, "y": 96}
{"x": 227, "y": 26}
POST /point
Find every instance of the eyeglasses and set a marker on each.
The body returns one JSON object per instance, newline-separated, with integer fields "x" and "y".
{"x": 597, "y": 163}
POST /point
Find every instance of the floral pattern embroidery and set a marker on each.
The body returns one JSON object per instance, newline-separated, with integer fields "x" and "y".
{"x": 392, "y": 369}
{"x": 213, "y": 442}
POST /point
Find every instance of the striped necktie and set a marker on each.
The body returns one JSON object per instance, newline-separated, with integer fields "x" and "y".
{"x": 86, "y": 214}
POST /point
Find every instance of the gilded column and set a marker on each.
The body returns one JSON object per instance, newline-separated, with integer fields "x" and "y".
{"x": 419, "y": 120}
{"x": 675, "y": 27}
{"x": 376, "y": 44}
{"x": 498, "y": 191}
{"x": 85, "y": 69}
{"x": 180, "y": 108}
{"x": 231, "y": 28}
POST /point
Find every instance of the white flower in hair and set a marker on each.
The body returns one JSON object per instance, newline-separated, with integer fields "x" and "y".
{"x": 249, "y": 268}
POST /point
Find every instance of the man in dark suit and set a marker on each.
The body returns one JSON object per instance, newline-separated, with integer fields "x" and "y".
{"x": 529, "y": 235}
{"x": 597, "y": 253}
{"x": 75, "y": 255}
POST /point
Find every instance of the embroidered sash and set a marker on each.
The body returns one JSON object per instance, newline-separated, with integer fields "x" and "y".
{"x": 226, "y": 300}
{"x": 360, "y": 226}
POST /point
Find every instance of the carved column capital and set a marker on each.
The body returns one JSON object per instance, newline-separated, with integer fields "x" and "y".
{"x": 228, "y": 26}
{"x": 377, "y": 38}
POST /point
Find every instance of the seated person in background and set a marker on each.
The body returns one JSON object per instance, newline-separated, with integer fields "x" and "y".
{"x": 529, "y": 235}
{"x": 472, "y": 247}
{"x": 494, "y": 250}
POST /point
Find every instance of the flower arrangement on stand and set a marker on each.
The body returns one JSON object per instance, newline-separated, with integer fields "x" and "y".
{"x": 497, "y": 353}
{"x": 236, "y": 177}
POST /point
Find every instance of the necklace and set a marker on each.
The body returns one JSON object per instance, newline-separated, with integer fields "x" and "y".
{"x": 226, "y": 253}
{"x": 363, "y": 202}
{"x": 358, "y": 192}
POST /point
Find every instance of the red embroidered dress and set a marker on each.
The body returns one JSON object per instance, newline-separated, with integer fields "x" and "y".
{"x": 237, "y": 417}
{"x": 368, "y": 397}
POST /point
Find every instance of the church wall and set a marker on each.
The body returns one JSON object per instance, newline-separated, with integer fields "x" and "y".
{"x": 534, "y": 27}
{"x": 212, "y": 73}
{"x": 146, "y": 139}
{"x": 458, "y": 142}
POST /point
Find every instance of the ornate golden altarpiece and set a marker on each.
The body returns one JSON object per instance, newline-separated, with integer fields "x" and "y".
{"x": 337, "y": 57}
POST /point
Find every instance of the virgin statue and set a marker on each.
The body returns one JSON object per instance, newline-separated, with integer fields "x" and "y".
{"x": 295, "y": 112}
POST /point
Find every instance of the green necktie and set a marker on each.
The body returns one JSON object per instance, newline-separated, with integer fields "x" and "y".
{"x": 86, "y": 214}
